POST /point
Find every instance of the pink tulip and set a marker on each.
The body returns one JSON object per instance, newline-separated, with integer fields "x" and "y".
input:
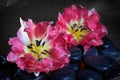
{"x": 81, "y": 26}
{"x": 38, "y": 48}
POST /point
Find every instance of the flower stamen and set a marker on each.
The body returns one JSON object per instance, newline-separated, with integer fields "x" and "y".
{"x": 43, "y": 44}
{"x": 78, "y": 30}
{"x": 72, "y": 27}
{"x": 46, "y": 51}
{"x": 39, "y": 49}
{"x": 38, "y": 42}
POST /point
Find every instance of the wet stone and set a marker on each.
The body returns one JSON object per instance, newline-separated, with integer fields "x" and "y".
{"x": 112, "y": 52}
{"x": 63, "y": 74}
{"x": 81, "y": 48}
{"x": 116, "y": 78}
{"x": 92, "y": 51}
{"x": 87, "y": 74}
{"x": 107, "y": 43}
{"x": 112, "y": 73}
{"x": 23, "y": 75}
{"x": 74, "y": 66}
{"x": 99, "y": 63}
{"x": 76, "y": 54}
{"x": 2, "y": 59}
{"x": 7, "y": 71}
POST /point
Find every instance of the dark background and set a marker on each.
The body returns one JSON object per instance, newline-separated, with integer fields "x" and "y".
{"x": 47, "y": 10}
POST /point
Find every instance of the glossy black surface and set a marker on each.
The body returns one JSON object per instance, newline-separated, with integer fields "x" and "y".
{"x": 88, "y": 74}
{"x": 92, "y": 51}
{"x": 112, "y": 52}
{"x": 99, "y": 63}
{"x": 74, "y": 66}
{"x": 107, "y": 43}
{"x": 76, "y": 54}
{"x": 2, "y": 59}
{"x": 22, "y": 75}
{"x": 112, "y": 73}
{"x": 63, "y": 74}
{"x": 7, "y": 71}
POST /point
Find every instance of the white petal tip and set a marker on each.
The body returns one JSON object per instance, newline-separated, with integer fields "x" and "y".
{"x": 36, "y": 74}
{"x": 51, "y": 22}
{"x": 91, "y": 11}
{"x": 21, "y": 21}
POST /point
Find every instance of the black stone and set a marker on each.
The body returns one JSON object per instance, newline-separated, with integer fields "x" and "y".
{"x": 99, "y": 63}
{"x": 76, "y": 54}
{"x": 112, "y": 73}
{"x": 107, "y": 43}
{"x": 2, "y": 59}
{"x": 81, "y": 48}
{"x": 92, "y": 51}
{"x": 87, "y": 74}
{"x": 63, "y": 74}
{"x": 74, "y": 66}
{"x": 116, "y": 76}
{"x": 7, "y": 71}
{"x": 23, "y": 75}
{"x": 112, "y": 52}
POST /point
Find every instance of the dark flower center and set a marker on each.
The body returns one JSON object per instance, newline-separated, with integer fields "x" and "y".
{"x": 78, "y": 31}
{"x": 39, "y": 49}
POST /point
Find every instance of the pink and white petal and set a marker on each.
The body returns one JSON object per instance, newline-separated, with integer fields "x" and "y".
{"x": 70, "y": 40}
{"x": 30, "y": 26}
{"x": 84, "y": 12}
{"x": 23, "y": 36}
{"x": 12, "y": 57}
{"x": 17, "y": 45}
{"x": 18, "y": 49}
{"x": 20, "y": 63}
{"x": 41, "y": 28}
{"x": 26, "y": 62}
{"x": 91, "y": 25}
{"x": 14, "y": 40}
{"x": 46, "y": 63}
{"x": 62, "y": 22}
{"x": 65, "y": 59}
{"x": 57, "y": 53}
{"x": 93, "y": 15}
{"x": 26, "y": 24}
{"x": 58, "y": 64}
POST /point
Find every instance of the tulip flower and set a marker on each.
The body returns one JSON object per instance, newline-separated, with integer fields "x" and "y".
{"x": 81, "y": 26}
{"x": 38, "y": 47}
